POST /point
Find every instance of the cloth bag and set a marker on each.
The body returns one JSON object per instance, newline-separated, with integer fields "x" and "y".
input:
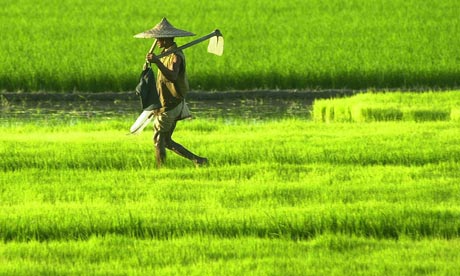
{"x": 147, "y": 90}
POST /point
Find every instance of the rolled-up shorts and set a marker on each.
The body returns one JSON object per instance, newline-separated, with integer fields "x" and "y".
{"x": 165, "y": 121}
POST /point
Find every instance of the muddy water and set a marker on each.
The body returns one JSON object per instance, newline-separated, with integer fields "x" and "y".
{"x": 81, "y": 109}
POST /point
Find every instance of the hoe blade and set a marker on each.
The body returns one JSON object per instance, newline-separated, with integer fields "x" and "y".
{"x": 216, "y": 45}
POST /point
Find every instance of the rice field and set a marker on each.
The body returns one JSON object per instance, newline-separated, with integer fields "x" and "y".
{"x": 78, "y": 45}
{"x": 399, "y": 106}
{"x": 280, "y": 197}
{"x": 325, "y": 255}
{"x": 366, "y": 185}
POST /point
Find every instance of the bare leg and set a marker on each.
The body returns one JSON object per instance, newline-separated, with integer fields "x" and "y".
{"x": 181, "y": 150}
{"x": 160, "y": 148}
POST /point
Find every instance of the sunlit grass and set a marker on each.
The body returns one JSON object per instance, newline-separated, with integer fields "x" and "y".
{"x": 277, "y": 142}
{"x": 198, "y": 255}
{"x": 279, "y": 197}
{"x": 391, "y": 106}
{"x": 88, "y": 45}
{"x": 383, "y": 180}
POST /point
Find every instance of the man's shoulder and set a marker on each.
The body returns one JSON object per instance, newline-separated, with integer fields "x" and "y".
{"x": 179, "y": 53}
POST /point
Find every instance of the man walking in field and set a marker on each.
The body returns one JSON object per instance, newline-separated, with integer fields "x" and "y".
{"x": 172, "y": 86}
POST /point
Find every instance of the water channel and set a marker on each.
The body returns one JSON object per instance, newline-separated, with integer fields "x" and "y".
{"x": 225, "y": 105}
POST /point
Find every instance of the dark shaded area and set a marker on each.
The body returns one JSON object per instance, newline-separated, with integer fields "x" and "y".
{"x": 192, "y": 95}
{"x": 231, "y": 105}
{"x": 247, "y": 104}
{"x": 355, "y": 80}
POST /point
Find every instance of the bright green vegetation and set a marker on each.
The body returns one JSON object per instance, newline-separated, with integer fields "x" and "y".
{"x": 198, "y": 255}
{"x": 431, "y": 106}
{"x": 289, "y": 197}
{"x": 88, "y": 45}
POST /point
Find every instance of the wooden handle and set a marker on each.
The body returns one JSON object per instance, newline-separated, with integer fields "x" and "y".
{"x": 194, "y": 42}
{"x": 146, "y": 64}
{"x": 153, "y": 46}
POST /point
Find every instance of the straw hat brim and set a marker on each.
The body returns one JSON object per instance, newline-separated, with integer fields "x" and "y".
{"x": 163, "y": 29}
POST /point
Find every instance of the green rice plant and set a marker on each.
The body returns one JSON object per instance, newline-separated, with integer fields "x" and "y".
{"x": 306, "y": 181}
{"x": 126, "y": 203}
{"x": 369, "y": 113}
{"x": 300, "y": 142}
{"x": 198, "y": 255}
{"x": 278, "y": 197}
{"x": 319, "y": 111}
{"x": 394, "y": 106}
{"x": 88, "y": 45}
{"x": 427, "y": 115}
{"x": 327, "y": 111}
{"x": 455, "y": 114}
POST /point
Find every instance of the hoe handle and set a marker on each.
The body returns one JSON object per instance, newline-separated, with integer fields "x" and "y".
{"x": 151, "y": 51}
{"x": 153, "y": 46}
{"x": 191, "y": 43}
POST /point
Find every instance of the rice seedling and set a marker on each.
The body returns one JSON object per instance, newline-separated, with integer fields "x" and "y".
{"x": 368, "y": 107}
{"x": 455, "y": 114}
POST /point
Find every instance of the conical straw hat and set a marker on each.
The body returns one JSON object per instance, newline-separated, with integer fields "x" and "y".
{"x": 163, "y": 29}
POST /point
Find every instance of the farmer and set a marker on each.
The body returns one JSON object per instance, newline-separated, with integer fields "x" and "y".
{"x": 172, "y": 86}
